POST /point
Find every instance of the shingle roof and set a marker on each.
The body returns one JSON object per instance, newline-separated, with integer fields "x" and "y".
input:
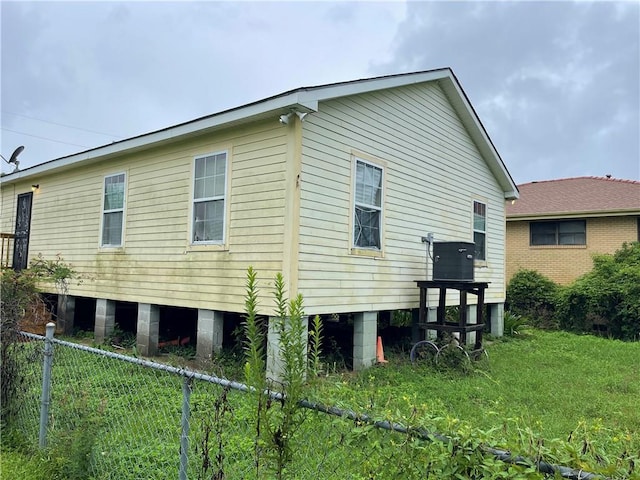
{"x": 574, "y": 196}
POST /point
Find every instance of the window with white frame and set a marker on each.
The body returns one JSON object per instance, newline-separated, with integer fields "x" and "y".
{"x": 480, "y": 230}
{"x": 113, "y": 210}
{"x": 367, "y": 217}
{"x": 209, "y": 191}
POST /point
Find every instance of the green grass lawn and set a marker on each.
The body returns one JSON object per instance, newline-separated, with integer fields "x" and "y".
{"x": 537, "y": 391}
{"x": 551, "y": 381}
{"x": 14, "y": 464}
{"x": 537, "y": 387}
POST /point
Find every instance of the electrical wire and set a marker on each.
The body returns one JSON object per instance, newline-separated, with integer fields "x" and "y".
{"x": 43, "y": 138}
{"x": 61, "y": 124}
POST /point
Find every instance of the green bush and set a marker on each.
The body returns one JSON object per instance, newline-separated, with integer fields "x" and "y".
{"x": 607, "y": 297}
{"x": 534, "y": 297}
{"x": 514, "y": 324}
{"x": 18, "y": 292}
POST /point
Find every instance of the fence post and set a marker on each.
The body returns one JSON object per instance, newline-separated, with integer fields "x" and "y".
{"x": 184, "y": 436}
{"x": 46, "y": 383}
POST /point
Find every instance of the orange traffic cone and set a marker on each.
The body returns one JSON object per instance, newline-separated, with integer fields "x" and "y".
{"x": 380, "y": 352}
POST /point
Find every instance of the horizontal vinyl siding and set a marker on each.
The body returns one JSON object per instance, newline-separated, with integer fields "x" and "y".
{"x": 8, "y": 196}
{"x": 433, "y": 172}
{"x": 157, "y": 263}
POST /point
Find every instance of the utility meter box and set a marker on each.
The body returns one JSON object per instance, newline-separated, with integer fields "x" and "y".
{"x": 453, "y": 261}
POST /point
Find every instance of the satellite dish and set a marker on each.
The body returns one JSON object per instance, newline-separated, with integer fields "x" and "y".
{"x": 14, "y": 155}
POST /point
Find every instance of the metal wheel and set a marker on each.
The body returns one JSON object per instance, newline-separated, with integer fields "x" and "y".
{"x": 424, "y": 351}
{"x": 453, "y": 356}
{"x": 479, "y": 355}
{"x": 480, "y": 359}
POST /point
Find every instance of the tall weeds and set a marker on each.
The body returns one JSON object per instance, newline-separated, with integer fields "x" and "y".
{"x": 276, "y": 423}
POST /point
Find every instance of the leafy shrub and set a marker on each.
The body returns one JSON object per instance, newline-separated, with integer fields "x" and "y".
{"x": 608, "y": 296}
{"x": 513, "y": 323}
{"x": 534, "y": 297}
{"x": 121, "y": 338}
{"x": 17, "y": 294}
{"x": 401, "y": 318}
{"x": 276, "y": 428}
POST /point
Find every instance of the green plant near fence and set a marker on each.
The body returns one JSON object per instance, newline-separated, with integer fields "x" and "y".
{"x": 19, "y": 295}
{"x": 113, "y": 416}
{"x": 278, "y": 422}
{"x": 135, "y": 409}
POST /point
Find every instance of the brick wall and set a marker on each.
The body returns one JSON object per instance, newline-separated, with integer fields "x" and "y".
{"x": 565, "y": 263}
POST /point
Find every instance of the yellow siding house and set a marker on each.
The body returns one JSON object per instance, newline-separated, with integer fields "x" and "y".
{"x": 334, "y": 186}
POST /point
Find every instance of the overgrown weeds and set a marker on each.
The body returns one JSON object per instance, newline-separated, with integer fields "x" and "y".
{"x": 608, "y": 297}
{"x": 286, "y": 370}
{"x": 18, "y": 292}
{"x": 19, "y": 296}
{"x": 605, "y": 300}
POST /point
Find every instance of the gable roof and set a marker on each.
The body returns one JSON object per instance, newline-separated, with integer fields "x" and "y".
{"x": 303, "y": 100}
{"x": 573, "y": 197}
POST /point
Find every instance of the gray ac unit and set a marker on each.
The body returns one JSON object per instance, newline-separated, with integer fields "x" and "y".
{"x": 453, "y": 261}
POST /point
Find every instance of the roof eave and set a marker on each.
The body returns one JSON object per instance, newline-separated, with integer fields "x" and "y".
{"x": 304, "y": 100}
{"x": 458, "y": 98}
{"x": 478, "y": 133}
{"x": 297, "y": 100}
{"x": 566, "y": 215}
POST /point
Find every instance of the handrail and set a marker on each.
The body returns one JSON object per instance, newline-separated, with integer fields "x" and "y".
{"x": 6, "y": 238}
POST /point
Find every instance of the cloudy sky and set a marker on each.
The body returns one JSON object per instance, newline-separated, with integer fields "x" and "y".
{"x": 556, "y": 84}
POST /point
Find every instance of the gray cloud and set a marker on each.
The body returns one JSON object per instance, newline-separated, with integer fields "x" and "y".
{"x": 556, "y": 84}
{"x": 132, "y": 67}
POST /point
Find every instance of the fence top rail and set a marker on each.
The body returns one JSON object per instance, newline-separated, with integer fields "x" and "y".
{"x": 184, "y": 372}
{"x": 424, "y": 434}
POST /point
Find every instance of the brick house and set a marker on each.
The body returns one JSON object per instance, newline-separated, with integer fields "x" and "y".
{"x": 557, "y": 225}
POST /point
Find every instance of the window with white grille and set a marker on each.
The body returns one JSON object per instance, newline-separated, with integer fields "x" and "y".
{"x": 367, "y": 215}
{"x": 113, "y": 210}
{"x": 209, "y": 197}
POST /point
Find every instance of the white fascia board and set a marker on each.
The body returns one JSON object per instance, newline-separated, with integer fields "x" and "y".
{"x": 456, "y": 95}
{"x": 458, "y": 98}
{"x": 512, "y": 195}
{"x": 293, "y": 101}
{"x": 357, "y": 87}
{"x": 304, "y": 100}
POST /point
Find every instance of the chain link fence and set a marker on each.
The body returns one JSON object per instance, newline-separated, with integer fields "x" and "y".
{"x": 120, "y": 417}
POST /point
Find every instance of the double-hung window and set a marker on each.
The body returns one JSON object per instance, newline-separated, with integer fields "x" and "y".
{"x": 367, "y": 217}
{"x": 113, "y": 210}
{"x": 209, "y": 196}
{"x": 565, "y": 232}
{"x": 480, "y": 230}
